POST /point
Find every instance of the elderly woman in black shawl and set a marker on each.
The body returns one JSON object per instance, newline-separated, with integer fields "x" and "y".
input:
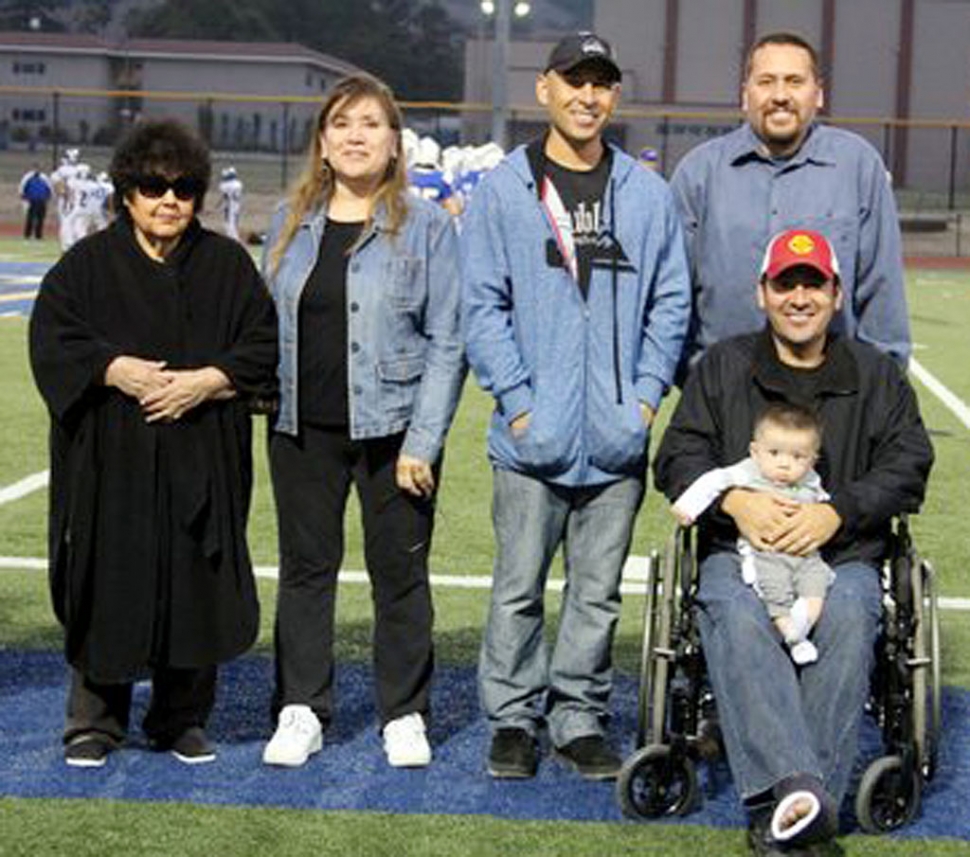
{"x": 151, "y": 343}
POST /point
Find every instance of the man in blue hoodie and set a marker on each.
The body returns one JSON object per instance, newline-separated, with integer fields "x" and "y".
{"x": 575, "y": 307}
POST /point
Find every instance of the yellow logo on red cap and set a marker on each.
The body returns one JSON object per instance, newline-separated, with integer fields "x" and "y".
{"x": 801, "y": 244}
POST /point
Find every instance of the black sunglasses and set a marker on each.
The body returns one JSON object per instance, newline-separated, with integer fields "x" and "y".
{"x": 155, "y": 187}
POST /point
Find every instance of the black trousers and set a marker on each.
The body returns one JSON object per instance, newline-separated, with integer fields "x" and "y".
{"x": 312, "y": 475}
{"x": 180, "y": 698}
{"x": 34, "y": 220}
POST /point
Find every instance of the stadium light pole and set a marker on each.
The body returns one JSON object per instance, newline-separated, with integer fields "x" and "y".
{"x": 502, "y": 11}
{"x": 500, "y": 69}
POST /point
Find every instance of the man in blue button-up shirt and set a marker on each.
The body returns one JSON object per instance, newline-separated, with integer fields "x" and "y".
{"x": 778, "y": 170}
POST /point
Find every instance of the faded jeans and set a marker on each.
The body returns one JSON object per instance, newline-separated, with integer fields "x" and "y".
{"x": 519, "y": 681}
{"x": 776, "y": 719}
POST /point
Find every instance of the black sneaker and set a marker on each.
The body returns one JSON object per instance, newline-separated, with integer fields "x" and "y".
{"x": 760, "y": 842}
{"x": 764, "y": 846}
{"x": 591, "y": 757}
{"x": 513, "y": 754}
{"x": 192, "y": 747}
{"x": 88, "y": 750}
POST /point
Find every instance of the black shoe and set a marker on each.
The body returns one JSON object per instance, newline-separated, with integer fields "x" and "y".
{"x": 88, "y": 750}
{"x": 592, "y": 757}
{"x": 761, "y": 842}
{"x": 513, "y": 754}
{"x": 192, "y": 747}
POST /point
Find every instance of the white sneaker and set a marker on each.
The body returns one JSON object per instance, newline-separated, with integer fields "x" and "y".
{"x": 405, "y": 742}
{"x": 298, "y": 735}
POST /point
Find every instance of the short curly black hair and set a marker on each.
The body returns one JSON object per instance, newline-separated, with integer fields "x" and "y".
{"x": 164, "y": 147}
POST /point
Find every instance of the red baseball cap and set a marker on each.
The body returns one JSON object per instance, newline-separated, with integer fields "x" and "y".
{"x": 795, "y": 247}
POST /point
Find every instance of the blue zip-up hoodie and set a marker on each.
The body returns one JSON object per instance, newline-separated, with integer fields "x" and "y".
{"x": 579, "y": 368}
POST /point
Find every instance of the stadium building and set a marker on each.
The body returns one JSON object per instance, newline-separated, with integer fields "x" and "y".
{"x": 883, "y": 59}
{"x": 74, "y": 71}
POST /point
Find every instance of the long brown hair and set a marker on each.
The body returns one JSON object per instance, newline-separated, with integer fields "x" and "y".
{"x": 314, "y": 185}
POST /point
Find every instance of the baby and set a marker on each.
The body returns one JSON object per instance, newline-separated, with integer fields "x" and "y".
{"x": 785, "y": 447}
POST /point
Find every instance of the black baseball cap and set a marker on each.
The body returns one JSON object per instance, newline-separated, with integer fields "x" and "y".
{"x": 580, "y": 48}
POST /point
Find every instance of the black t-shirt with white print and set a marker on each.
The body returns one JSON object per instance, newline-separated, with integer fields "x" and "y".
{"x": 582, "y": 195}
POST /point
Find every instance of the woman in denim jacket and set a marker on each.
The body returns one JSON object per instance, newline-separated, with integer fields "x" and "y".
{"x": 366, "y": 285}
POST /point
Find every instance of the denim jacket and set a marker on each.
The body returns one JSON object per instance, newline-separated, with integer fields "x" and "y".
{"x": 580, "y": 368}
{"x": 405, "y": 358}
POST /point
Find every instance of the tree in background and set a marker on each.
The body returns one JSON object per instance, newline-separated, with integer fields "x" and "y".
{"x": 91, "y": 16}
{"x": 411, "y": 44}
{"x": 18, "y": 15}
{"x": 220, "y": 20}
{"x": 79, "y": 16}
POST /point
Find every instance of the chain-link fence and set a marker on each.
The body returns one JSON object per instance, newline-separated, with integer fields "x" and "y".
{"x": 264, "y": 137}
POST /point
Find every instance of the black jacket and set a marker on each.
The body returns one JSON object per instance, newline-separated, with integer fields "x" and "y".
{"x": 875, "y": 458}
{"x": 148, "y": 558}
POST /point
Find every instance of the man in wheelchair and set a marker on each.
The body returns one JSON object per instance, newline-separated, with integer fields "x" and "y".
{"x": 791, "y": 732}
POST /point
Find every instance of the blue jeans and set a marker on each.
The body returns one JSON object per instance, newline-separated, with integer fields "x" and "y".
{"x": 778, "y": 720}
{"x": 519, "y": 680}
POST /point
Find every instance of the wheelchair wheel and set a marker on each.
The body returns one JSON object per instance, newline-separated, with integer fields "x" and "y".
{"x": 927, "y": 704}
{"x": 888, "y": 796}
{"x": 654, "y": 782}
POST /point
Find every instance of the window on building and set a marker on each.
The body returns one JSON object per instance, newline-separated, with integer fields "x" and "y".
{"x": 29, "y": 67}
{"x": 29, "y": 115}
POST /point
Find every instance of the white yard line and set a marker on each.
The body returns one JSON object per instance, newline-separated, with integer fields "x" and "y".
{"x": 23, "y": 563}
{"x": 25, "y": 486}
{"x": 946, "y": 396}
{"x": 632, "y": 578}
{"x": 634, "y": 571}
{"x": 14, "y": 297}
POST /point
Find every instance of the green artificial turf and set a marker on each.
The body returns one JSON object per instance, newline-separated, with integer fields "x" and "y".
{"x": 940, "y": 303}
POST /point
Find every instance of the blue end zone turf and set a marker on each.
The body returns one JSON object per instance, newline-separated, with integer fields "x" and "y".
{"x": 351, "y": 773}
{"x": 18, "y": 285}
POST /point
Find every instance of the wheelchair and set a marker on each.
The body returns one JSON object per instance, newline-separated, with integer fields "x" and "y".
{"x": 676, "y": 711}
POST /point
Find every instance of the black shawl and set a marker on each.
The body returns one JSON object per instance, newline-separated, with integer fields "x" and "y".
{"x": 148, "y": 558}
